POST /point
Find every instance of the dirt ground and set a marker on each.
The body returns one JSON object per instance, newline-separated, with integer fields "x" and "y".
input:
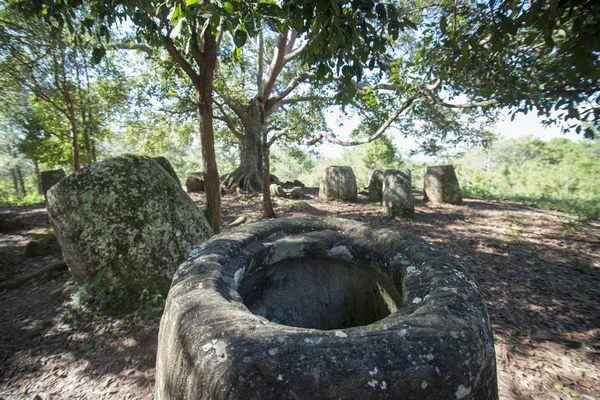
{"x": 539, "y": 272}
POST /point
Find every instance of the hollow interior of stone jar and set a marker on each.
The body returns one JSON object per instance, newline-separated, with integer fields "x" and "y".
{"x": 320, "y": 293}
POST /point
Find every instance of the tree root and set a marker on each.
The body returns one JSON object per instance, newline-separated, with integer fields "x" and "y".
{"x": 244, "y": 181}
{"x": 20, "y": 280}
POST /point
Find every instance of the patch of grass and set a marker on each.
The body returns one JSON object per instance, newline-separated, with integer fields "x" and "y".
{"x": 30, "y": 199}
{"x": 584, "y": 209}
{"x": 108, "y": 297}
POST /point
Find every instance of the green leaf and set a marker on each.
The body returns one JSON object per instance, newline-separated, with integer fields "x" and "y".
{"x": 410, "y": 24}
{"x": 97, "y": 55}
{"x": 228, "y": 6}
{"x": 381, "y": 11}
{"x": 250, "y": 26}
{"x": 443, "y": 24}
{"x": 239, "y": 38}
{"x": 190, "y": 2}
{"x": 176, "y": 13}
{"x": 582, "y": 61}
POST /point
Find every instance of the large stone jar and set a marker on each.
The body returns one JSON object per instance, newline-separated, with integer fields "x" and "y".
{"x": 441, "y": 185}
{"x": 397, "y": 194}
{"x": 323, "y": 309}
{"x": 338, "y": 183}
{"x": 50, "y": 178}
{"x": 128, "y": 218}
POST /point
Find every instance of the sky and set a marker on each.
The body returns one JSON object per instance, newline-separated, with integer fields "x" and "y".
{"x": 522, "y": 125}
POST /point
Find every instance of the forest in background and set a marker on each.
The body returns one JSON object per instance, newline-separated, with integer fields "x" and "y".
{"x": 82, "y": 82}
{"x": 558, "y": 174}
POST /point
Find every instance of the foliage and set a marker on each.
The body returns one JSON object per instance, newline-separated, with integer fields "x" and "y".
{"x": 108, "y": 296}
{"x": 288, "y": 163}
{"x": 12, "y": 200}
{"x": 540, "y": 55}
{"x": 558, "y": 174}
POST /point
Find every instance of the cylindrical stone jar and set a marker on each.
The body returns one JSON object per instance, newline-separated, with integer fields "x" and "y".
{"x": 309, "y": 308}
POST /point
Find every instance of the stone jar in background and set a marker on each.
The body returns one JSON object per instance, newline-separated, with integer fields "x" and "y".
{"x": 50, "y": 178}
{"x": 397, "y": 194}
{"x": 441, "y": 185}
{"x": 127, "y": 217}
{"x": 195, "y": 182}
{"x": 339, "y": 183}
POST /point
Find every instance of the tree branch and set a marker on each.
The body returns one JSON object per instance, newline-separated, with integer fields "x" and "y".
{"x": 271, "y": 104}
{"x": 234, "y": 105}
{"x": 279, "y": 133}
{"x": 379, "y": 86}
{"x": 225, "y": 118}
{"x": 131, "y": 46}
{"x": 179, "y": 60}
{"x": 330, "y": 138}
{"x": 276, "y": 66}
{"x": 194, "y": 47}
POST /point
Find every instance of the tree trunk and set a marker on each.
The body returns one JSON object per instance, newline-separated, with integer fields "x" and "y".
{"x": 74, "y": 141}
{"x": 38, "y": 178}
{"x": 93, "y": 150}
{"x": 21, "y": 181}
{"x": 248, "y": 177}
{"x": 204, "y": 90}
{"x": 86, "y": 137}
{"x": 268, "y": 211}
{"x": 15, "y": 183}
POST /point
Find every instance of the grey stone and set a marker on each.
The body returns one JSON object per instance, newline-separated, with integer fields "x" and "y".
{"x": 338, "y": 183}
{"x": 441, "y": 185}
{"x": 43, "y": 245}
{"x": 294, "y": 183}
{"x": 307, "y": 308}
{"x": 167, "y": 166}
{"x": 277, "y": 190}
{"x": 50, "y": 178}
{"x": 195, "y": 182}
{"x": 295, "y": 193}
{"x": 376, "y": 186}
{"x": 397, "y": 194}
{"x": 127, "y": 217}
{"x": 274, "y": 179}
{"x": 238, "y": 221}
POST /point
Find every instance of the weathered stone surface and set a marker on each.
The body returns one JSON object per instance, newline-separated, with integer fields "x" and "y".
{"x": 397, "y": 194}
{"x": 294, "y": 183}
{"x": 338, "y": 183}
{"x": 375, "y": 187}
{"x": 441, "y": 185}
{"x": 195, "y": 182}
{"x": 167, "y": 166}
{"x": 284, "y": 192}
{"x": 44, "y": 243}
{"x": 274, "y": 179}
{"x": 277, "y": 190}
{"x": 296, "y": 193}
{"x": 50, "y": 178}
{"x": 323, "y": 309}
{"x": 238, "y": 221}
{"x": 127, "y": 217}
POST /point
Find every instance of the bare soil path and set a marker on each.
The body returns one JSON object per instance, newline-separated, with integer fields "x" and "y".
{"x": 539, "y": 272}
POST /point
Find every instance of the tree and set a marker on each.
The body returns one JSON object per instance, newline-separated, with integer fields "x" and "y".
{"x": 259, "y": 100}
{"x": 42, "y": 65}
{"x": 190, "y": 32}
{"x": 515, "y": 54}
{"x": 53, "y": 85}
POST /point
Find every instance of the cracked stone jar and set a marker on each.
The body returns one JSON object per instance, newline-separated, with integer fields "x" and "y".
{"x": 307, "y": 308}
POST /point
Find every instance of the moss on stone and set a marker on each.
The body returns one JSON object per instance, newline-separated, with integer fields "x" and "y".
{"x": 125, "y": 216}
